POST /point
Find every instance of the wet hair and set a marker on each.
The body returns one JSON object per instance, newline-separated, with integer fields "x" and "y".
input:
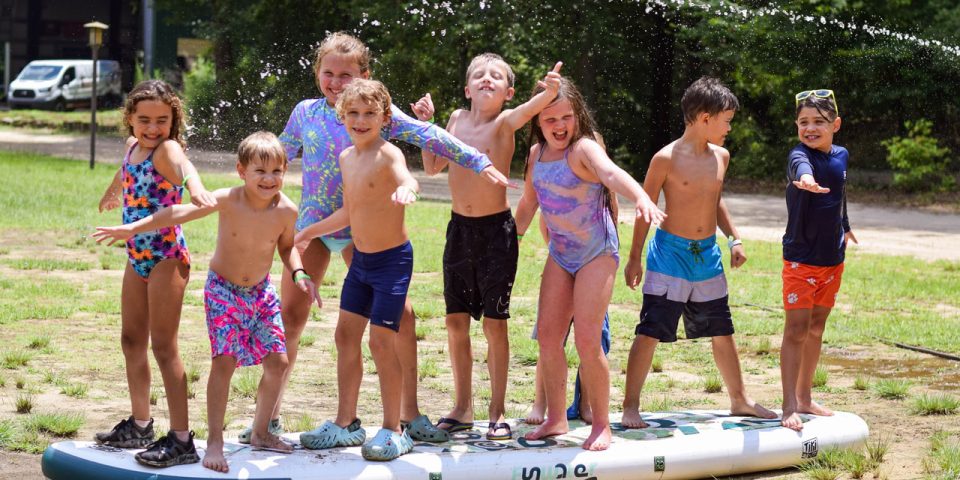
{"x": 707, "y": 95}
{"x": 485, "y": 58}
{"x": 160, "y": 91}
{"x": 264, "y": 146}
{"x": 586, "y": 127}
{"x": 824, "y": 106}
{"x": 368, "y": 91}
{"x": 341, "y": 43}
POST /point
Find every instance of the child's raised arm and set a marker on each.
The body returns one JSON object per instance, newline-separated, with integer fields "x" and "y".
{"x": 516, "y": 118}
{"x": 172, "y": 162}
{"x": 432, "y": 163}
{"x": 172, "y": 215}
{"x": 619, "y": 181}
{"x": 337, "y": 221}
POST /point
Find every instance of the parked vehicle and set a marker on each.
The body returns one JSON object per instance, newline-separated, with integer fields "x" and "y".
{"x": 64, "y": 84}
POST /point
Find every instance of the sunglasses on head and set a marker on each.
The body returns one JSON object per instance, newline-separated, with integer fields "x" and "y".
{"x": 819, "y": 94}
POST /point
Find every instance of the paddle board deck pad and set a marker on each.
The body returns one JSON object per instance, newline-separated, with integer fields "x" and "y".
{"x": 687, "y": 444}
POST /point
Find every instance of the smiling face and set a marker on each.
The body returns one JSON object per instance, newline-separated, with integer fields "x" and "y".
{"x": 363, "y": 120}
{"x": 558, "y": 124}
{"x": 718, "y": 126}
{"x": 815, "y": 130}
{"x": 489, "y": 83}
{"x": 151, "y": 122}
{"x": 335, "y": 72}
{"x": 262, "y": 178}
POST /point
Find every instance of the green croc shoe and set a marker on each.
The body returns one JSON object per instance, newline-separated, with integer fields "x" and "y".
{"x": 387, "y": 445}
{"x": 331, "y": 435}
{"x": 422, "y": 430}
{"x": 274, "y": 428}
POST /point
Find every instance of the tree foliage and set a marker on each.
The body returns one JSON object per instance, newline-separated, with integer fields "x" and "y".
{"x": 632, "y": 60}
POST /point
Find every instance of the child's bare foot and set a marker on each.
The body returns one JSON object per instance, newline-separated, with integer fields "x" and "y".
{"x": 631, "y": 419}
{"x": 749, "y": 408}
{"x": 791, "y": 419}
{"x": 214, "y": 459}
{"x": 270, "y": 443}
{"x": 599, "y": 439}
{"x": 535, "y": 417}
{"x": 815, "y": 409}
{"x": 549, "y": 429}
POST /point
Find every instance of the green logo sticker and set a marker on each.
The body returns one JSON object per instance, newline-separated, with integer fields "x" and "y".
{"x": 659, "y": 464}
{"x": 436, "y": 476}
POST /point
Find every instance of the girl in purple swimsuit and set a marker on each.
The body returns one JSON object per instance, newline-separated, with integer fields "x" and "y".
{"x": 568, "y": 176}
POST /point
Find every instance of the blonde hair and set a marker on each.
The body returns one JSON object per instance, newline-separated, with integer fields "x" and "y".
{"x": 341, "y": 43}
{"x": 485, "y": 58}
{"x": 264, "y": 146}
{"x": 160, "y": 91}
{"x": 368, "y": 91}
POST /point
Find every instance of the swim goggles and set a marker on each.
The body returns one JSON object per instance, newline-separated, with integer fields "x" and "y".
{"x": 819, "y": 94}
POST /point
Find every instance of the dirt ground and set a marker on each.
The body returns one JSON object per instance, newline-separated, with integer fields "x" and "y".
{"x": 880, "y": 230}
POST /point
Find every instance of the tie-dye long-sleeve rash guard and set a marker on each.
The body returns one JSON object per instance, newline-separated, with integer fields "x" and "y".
{"x": 314, "y": 128}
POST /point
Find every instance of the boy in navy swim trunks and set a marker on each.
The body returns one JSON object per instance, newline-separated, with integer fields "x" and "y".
{"x": 243, "y": 308}
{"x": 684, "y": 270}
{"x": 480, "y": 258}
{"x": 376, "y": 187}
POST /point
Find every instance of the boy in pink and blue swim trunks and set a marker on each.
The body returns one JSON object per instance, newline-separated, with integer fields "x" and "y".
{"x": 243, "y": 308}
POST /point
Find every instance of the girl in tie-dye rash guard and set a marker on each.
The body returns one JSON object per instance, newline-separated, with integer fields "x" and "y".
{"x": 315, "y": 135}
{"x": 569, "y": 176}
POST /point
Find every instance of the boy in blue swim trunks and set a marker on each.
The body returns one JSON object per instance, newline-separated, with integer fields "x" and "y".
{"x": 376, "y": 187}
{"x": 684, "y": 270}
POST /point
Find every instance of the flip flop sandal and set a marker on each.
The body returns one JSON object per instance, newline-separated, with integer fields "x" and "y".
{"x": 500, "y": 426}
{"x": 274, "y": 428}
{"x": 421, "y": 429}
{"x": 387, "y": 445}
{"x": 455, "y": 425}
{"x": 330, "y": 435}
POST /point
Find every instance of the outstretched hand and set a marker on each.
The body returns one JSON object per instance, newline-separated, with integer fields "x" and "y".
{"x": 404, "y": 195}
{"x": 850, "y": 237}
{"x": 551, "y": 81}
{"x": 423, "y": 109}
{"x": 307, "y": 286}
{"x": 737, "y": 256}
{"x": 494, "y": 176}
{"x": 650, "y": 212}
{"x": 807, "y": 183}
{"x": 203, "y": 198}
{"x": 113, "y": 234}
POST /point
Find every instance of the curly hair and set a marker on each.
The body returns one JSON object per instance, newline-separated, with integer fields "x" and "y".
{"x": 160, "y": 91}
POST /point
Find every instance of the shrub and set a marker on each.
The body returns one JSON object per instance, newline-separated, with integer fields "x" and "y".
{"x": 918, "y": 161}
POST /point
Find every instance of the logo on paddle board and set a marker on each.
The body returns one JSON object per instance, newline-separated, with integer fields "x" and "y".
{"x": 810, "y": 448}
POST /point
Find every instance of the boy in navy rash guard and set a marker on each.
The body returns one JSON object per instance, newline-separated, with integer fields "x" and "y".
{"x": 813, "y": 248}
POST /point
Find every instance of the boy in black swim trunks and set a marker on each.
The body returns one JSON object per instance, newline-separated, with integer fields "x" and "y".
{"x": 480, "y": 259}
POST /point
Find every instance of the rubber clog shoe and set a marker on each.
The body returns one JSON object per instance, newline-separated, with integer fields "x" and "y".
{"x": 421, "y": 429}
{"x": 386, "y": 446}
{"x": 331, "y": 435}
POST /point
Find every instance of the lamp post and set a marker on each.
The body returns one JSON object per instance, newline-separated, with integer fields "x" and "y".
{"x": 96, "y": 39}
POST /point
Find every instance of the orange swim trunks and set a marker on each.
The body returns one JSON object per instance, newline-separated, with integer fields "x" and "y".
{"x": 807, "y": 285}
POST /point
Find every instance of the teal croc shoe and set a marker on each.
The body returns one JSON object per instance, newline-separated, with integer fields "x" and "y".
{"x": 422, "y": 430}
{"x": 275, "y": 428}
{"x": 387, "y": 445}
{"x": 331, "y": 435}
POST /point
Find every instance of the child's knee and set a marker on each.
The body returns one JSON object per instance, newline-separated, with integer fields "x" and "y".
{"x": 132, "y": 344}
{"x": 494, "y": 328}
{"x": 382, "y": 341}
{"x": 275, "y": 364}
{"x": 165, "y": 351}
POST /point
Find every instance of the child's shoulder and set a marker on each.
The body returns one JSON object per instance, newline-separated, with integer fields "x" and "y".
{"x": 167, "y": 150}
{"x": 391, "y": 150}
{"x": 285, "y": 205}
{"x": 720, "y": 152}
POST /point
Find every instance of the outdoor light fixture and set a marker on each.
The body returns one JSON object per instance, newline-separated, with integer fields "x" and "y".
{"x": 96, "y": 40}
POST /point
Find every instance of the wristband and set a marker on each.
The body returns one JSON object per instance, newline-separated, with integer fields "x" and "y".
{"x": 413, "y": 191}
{"x": 187, "y": 177}
{"x": 733, "y": 242}
{"x": 299, "y": 274}
{"x": 429, "y": 120}
{"x": 519, "y": 237}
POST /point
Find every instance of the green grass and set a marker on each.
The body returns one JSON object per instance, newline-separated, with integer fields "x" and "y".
{"x": 891, "y": 388}
{"x": 943, "y": 461}
{"x": 861, "y": 383}
{"x": 48, "y": 264}
{"x": 16, "y": 359}
{"x": 57, "y": 424}
{"x": 38, "y": 342}
{"x": 307, "y": 340}
{"x": 23, "y": 403}
{"x": 712, "y": 383}
{"x": 935, "y": 404}
{"x": 109, "y": 120}
{"x": 245, "y": 381}
{"x": 75, "y": 390}
{"x": 820, "y": 376}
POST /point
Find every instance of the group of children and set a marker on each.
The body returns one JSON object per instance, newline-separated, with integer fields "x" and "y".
{"x": 355, "y": 187}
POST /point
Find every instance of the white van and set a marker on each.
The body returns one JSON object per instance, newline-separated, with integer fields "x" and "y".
{"x": 63, "y": 84}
